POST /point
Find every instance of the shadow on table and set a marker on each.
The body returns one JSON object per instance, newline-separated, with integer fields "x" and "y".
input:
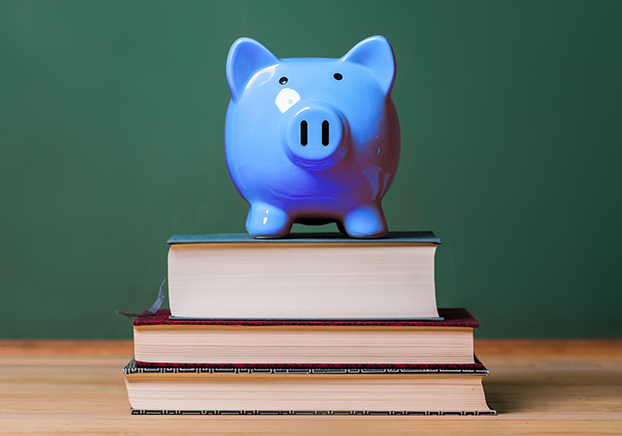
{"x": 556, "y": 384}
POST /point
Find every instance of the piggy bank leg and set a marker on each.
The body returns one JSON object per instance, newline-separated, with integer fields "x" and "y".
{"x": 366, "y": 221}
{"x": 267, "y": 221}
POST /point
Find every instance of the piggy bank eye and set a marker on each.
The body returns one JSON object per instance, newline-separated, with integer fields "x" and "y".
{"x": 283, "y": 80}
{"x": 337, "y": 76}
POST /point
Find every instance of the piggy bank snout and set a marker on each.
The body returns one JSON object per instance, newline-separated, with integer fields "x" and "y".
{"x": 316, "y": 136}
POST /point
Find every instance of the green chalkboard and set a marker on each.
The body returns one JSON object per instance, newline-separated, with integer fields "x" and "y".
{"x": 111, "y": 140}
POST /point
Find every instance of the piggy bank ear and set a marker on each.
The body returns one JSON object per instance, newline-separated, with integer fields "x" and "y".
{"x": 246, "y": 57}
{"x": 376, "y": 54}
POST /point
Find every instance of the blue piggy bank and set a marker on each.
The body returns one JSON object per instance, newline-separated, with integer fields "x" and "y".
{"x": 312, "y": 140}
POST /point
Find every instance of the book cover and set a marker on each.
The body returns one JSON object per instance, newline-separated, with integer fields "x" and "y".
{"x": 335, "y": 368}
{"x": 317, "y": 412}
{"x": 422, "y": 237}
{"x": 451, "y": 317}
{"x": 476, "y": 369}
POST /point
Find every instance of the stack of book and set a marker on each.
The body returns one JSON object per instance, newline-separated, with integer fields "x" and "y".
{"x": 305, "y": 325}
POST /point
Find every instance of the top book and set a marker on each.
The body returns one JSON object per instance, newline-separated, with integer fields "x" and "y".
{"x": 303, "y": 276}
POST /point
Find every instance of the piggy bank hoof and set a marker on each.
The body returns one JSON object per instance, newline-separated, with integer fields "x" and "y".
{"x": 267, "y": 221}
{"x": 366, "y": 222}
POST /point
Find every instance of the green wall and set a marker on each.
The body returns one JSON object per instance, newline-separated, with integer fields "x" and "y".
{"x": 111, "y": 139}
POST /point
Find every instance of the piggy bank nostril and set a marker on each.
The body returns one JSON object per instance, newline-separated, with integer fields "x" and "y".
{"x": 324, "y": 132}
{"x": 303, "y": 133}
{"x": 315, "y": 137}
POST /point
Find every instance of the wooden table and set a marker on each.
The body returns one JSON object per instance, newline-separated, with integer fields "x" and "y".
{"x": 538, "y": 387}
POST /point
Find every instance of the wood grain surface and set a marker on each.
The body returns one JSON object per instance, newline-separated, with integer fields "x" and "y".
{"x": 537, "y": 386}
